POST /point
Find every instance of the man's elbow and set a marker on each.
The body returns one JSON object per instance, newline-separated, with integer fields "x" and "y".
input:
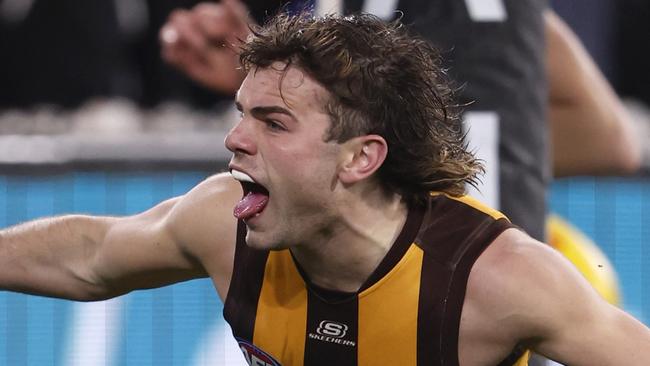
{"x": 630, "y": 157}
{"x": 95, "y": 294}
{"x": 89, "y": 286}
{"x": 631, "y": 164}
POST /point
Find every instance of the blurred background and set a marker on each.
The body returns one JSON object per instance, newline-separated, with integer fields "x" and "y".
{"x": 93, "y": 121}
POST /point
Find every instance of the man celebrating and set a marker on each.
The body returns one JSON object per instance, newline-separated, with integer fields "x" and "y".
{"x": 353, "y": 242}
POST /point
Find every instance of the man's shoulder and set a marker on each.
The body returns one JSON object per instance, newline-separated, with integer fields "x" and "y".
{"x": 512, "y": 262}
{"x": 492, "y": 321}
{"x": 214, "y": 195}
{"x": 221, "y": 184}
{"x": 202, "y": 221}
{"x": 519, "y": 281}
{"x": 213, "y": 199}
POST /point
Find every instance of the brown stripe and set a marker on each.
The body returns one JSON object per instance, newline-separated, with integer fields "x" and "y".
{"x": 331, "y": 337}
{"x": 458, "y": 286}
{"x": 399, "y": 248}
{"x": 455, "y": 231}
{"x": 431, "y": 303}
{"x": 240, "y": 307}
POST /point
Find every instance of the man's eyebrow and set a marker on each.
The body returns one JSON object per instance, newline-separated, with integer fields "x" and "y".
{"x": 263, "y": 110}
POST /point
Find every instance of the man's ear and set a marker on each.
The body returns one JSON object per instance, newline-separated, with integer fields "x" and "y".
{"x": 363, "y": 157}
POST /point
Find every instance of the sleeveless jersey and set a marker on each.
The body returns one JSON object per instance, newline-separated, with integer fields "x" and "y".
{"x": 407, "y": 313}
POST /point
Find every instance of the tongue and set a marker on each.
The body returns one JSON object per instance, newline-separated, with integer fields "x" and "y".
{"x": 252, "y": 204}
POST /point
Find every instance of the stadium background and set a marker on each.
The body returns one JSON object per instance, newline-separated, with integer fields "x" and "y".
{"x": 182, "y": 324}
{"x": 56, "y": 161}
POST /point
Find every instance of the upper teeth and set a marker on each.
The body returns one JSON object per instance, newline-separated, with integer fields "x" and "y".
{"x": 241, "y": 176}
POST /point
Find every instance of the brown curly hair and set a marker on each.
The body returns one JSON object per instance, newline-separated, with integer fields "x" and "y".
{"x": 382, "y": 80}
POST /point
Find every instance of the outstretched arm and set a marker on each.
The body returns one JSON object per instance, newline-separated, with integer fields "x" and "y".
{"x": 93, "y": 258}
{"x": 591, "y": 131}
{"x": 51, "y": 256}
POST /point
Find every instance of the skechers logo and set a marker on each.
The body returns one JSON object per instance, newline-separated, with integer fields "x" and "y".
{"x": 332, "y": 329}
{"x": 332, "y": 332}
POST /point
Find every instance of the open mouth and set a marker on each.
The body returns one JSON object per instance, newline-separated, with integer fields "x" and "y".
{"x": 256, "y": 196}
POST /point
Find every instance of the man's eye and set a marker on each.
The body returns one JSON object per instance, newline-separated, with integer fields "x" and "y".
{"x": 274, "y": 125}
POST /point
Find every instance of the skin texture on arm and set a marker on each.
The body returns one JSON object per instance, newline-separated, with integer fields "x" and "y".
{"x": 591, "y": 131}
{"x": 93, "y": 258}
{"x": 50, "y": 256}
{"x": 523, "y": 292}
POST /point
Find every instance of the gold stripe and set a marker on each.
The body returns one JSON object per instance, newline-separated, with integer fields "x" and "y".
{"x": 473, "y": 202}
{"x": 523, "y": 360}
{"x": 281, "y": 320}
{"x": 388, "y": 315}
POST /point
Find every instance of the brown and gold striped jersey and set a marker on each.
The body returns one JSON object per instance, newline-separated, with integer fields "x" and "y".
{"x": 407, "y": 313}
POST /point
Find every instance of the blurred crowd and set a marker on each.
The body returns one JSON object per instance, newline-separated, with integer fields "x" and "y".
{"x": 67, "y": 54}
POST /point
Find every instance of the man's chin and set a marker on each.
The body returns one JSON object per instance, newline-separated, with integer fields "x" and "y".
{"x": 261, "y": 241}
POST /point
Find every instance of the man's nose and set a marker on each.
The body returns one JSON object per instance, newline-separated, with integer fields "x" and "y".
{"x": 239, "y": 139}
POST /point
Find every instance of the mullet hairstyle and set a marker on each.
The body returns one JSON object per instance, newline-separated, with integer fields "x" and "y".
{"x": 382, "y": 80}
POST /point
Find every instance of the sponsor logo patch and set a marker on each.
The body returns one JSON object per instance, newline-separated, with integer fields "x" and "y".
{"x": 255, "y": 356}
{"x": 332, "y": 332}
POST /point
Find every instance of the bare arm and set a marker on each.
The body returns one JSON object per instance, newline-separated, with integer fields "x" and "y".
{"x": 582, "y": 328}
{"x": 591, "y": 131}
{"x": 531, "y": 295}
{"x": 49, "y": 256}
{"x": 92, "y": 258}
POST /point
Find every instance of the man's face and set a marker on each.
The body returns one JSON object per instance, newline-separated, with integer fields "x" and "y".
{"x": 279, "y": 143}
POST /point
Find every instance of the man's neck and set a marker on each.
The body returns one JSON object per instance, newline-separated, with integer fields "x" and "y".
{"x": 345, "y": 259}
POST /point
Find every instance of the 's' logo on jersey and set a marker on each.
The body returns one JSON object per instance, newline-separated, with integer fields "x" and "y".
{"x": 332, "y": 329}
{"x": 255, "y": 356}
{"x": 332, "y": 332}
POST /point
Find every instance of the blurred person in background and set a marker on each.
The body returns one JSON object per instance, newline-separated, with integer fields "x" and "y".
{"x": 634, "y": 55}
{"x": 583, "y": 107}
